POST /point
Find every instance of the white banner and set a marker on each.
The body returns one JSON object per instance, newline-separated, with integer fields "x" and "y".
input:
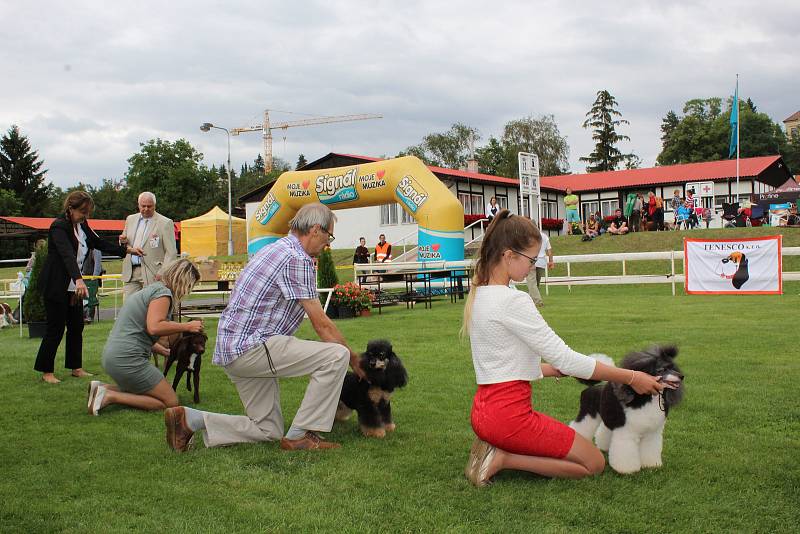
{"x": 528, "y": 173}
{"x": 738, "y": 266}
{"x": 701, "y": 189}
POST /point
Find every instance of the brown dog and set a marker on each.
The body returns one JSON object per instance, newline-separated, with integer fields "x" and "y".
{"x": 187, "y": 352}
{"x": 6, "y": 315}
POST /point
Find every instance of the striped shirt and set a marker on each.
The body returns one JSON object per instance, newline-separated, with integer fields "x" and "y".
{"x": 265, "y": 299}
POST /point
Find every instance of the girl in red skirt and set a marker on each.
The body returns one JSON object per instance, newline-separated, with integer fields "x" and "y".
{"x": 509, "y": 339}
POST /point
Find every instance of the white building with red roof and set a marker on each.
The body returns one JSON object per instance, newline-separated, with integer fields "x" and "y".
{"x": 713, "y": 183}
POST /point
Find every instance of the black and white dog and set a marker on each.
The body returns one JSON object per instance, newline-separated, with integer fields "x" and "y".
{"x": 371, "y": 397}
{"x": 627, "y": 425}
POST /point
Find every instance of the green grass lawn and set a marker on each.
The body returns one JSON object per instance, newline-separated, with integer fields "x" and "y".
{"x": 730, "y": 453}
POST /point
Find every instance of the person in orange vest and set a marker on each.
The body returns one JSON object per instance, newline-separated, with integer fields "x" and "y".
{"x": 383, "y": 250}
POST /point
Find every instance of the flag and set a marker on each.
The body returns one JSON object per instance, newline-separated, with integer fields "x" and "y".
{"x": 734, "y": 121}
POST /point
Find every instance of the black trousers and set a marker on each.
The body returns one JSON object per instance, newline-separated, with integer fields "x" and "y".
{"x": 60, "y": 315}
{"x": 658, "y": 218}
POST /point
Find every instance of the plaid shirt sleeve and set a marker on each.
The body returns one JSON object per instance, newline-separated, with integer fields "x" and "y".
{"x": 299, "y": 280}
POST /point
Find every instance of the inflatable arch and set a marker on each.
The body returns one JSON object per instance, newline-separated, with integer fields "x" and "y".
{"x": 406, "y": 180}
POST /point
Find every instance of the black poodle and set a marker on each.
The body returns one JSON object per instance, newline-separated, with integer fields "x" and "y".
{"x": 370, "y": 397}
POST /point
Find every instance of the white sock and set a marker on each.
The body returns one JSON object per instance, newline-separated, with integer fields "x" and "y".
{"x": 194, "y": 419}
{"x": 295, "y": 433}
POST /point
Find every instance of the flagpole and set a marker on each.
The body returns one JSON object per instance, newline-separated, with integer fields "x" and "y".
{"x": 738, "y": 121}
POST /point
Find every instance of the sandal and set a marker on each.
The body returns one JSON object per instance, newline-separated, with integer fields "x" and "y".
{"x": 480, "y": 457}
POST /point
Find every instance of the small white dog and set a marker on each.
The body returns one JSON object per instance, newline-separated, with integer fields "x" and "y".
{"x": 625, "y": 424}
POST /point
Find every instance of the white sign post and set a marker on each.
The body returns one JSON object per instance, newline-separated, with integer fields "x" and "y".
{"x": 529, "y": 185}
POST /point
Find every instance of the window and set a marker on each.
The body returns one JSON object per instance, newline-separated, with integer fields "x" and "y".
{"x": 549, "y": 209}
{"x": 473, "y": 203}
{"x": 405, "y": 218}
{"x": 388, "y": 214}
{"x": 587, "y": 208}
{"x": 524, "y": 209}
{"x": 502, "y": 202}
{"x": 608, "y": 207}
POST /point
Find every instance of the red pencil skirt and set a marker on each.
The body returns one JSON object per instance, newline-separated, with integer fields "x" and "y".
{"x": 502, "y": 416}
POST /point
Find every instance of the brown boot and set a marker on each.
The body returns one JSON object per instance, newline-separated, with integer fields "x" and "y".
{"x": 308, "y": 442}
{"x": 179, "y": 436}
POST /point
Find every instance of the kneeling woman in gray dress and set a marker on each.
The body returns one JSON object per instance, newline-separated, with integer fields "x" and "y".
{"x": 144, "y": 318}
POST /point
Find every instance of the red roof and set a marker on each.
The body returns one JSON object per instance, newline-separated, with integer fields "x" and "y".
{"x": 792, "y": 117}
{"x": 668, "y": 174}
{"x": 43, "y": 223}
{"x": 450, "y": 172}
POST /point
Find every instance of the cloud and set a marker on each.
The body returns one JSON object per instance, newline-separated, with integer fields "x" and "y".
{"x": 96, "y": 80}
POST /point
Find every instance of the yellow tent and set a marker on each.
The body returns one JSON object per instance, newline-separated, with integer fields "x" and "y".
{"x": 207, "y": 235}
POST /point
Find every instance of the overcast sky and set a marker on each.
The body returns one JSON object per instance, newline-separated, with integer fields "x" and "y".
{"x": 88, "y": 81}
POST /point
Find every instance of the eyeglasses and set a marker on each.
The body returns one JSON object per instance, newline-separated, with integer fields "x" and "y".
{"x": 532, "y": 260}
{"x": 331, "y": 237}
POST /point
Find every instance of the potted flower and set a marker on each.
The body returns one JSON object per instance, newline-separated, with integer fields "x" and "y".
{"x": 33, "y": 311}
{"x": 350, "y": 300}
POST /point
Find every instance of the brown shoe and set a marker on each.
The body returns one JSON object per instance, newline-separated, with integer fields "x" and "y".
{"x": 310, "y": 441}
{"x": 179, "y": 436}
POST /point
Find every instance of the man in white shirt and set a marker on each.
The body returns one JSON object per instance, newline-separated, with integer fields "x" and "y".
{"x": 155, "y": 235}
{"x": 544, "y": 259}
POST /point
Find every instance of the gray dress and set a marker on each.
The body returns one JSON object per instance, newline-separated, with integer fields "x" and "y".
{"x": 126, "y": 356}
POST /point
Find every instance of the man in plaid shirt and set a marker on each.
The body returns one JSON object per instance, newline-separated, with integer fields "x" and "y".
{"x": 255, "y": 347}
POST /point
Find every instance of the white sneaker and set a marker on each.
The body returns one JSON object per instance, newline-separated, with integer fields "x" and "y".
{"x": 90, "y": 393}
{"x": 97, "y": 400}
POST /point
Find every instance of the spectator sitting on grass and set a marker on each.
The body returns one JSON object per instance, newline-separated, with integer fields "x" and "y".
{"x": 794, "y": 219}
{"x": 592, "y": 227}
{"x": 619, "y": 226}
{"x": 601, "y": 222}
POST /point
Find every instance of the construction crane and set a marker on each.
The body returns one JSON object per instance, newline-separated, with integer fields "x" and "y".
{"x": 266, "y": 129}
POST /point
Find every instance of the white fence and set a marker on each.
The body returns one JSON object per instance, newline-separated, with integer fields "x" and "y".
{"x": 669, "y": 277}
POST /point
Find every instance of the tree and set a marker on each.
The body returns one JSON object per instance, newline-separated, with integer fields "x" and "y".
{"x": 21, "y": 173}
{"x": 183, "y": 186}
{"x": 449, "y": 149}
{"x": 112, "y": 200}
{"x": 603, "y": 120}
{"x": 703, "y": 133}
{"x": 539, "y": 136}
{"x": 33, "y": 303}
{"x": 301, "y": 162}
{"x": 791, "y": 154}
{"x": 632, "y": 161}
{"x": 492, "y": 158}
{"x": 9, "y": 203}
{"x": 258, "y": 164}
{"x": 668, "y": 125}
{"x": 326, "y": 272}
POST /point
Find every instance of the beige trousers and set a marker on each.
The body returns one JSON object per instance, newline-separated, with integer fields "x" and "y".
{"x": 533, "y": 285}
{"x": 135, "y": 284}
{"x": 255, "y": 375}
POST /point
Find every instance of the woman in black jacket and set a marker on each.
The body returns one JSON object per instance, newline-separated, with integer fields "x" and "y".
{"x": 69, "y": 240}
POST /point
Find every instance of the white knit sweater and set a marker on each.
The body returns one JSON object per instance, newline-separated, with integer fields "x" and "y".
{"x": 509, "y": 339}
